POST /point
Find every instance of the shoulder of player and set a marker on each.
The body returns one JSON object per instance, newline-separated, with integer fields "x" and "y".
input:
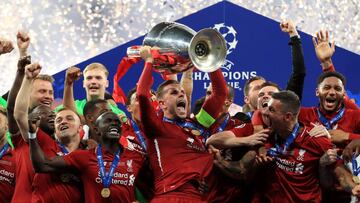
{"x": 305, "y": 139}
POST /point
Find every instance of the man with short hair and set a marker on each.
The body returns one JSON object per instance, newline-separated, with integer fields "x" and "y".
{"x": 44, "y": 187}
{"x": 297, "y": 77}
{"x": 7, "y": 161}
{"x": 92, "y": 110}
{"x": 108, "y": 172}
{"x": 42, "y": 91}
{"x": 176, "y": 148}
{"x": 294, "y": 175}
{"x": 343, "y": 123}
{"x": 95, "y": 83}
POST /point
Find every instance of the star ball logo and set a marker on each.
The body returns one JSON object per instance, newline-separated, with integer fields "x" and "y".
{"x": 233, "y": 77}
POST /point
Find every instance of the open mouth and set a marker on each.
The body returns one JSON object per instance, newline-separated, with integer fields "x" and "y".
{"x": 181, "y": 105}
{"x": 265, "y": 104}
{"x": 113, "y": 131}
{"x": 46, "y": 103}
{"x": 51, "y": 121}
{"x": 64, "y": 127}
{"x": 330, "y": 102}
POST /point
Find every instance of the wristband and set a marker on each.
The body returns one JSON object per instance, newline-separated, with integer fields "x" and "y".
{"x": 32, "y": 135}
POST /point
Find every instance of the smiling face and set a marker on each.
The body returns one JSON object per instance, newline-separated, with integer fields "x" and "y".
{"x": 47, "y": 118}
{"x": 42, "y": 92}
{"x": 67, "y": 124}
{"x": 251, "y": 98}
{"x": 331, "y": 94}
{"x": 95, "y": 83}
{"x": 108, "y": 126}
{"x": 173, "y": 101}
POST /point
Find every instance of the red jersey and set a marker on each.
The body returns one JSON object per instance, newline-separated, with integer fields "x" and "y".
{"x": 24, "y": 171}
{"x": 350, "y": 121}
{"x": 222, "y": 187}
{"x": 177, "y": 156}
{"x": 122, "y": 186}
{"x": 294, "y": 176}
{"x": 47, "y": 187}
{"x": 7, "y": 175}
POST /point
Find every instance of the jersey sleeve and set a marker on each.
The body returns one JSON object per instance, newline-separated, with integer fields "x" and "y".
{"x": 78, "y": 159}
{"x": 212, "y": 106}
{"x": 151, "y": 123}
{"x": 243, "y": 130}
{"x": 257, "y": 118}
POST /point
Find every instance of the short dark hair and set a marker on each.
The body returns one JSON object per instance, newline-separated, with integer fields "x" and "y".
{"x": 128, "y": 96}
{"x": 159, "y": 91}
{"x": 328, "y": 74}
{"x": 90, "y": 106}
{"x": 289, "y": 100}
{"x": 272, "y": 84}
{"x": 247, "y": 84}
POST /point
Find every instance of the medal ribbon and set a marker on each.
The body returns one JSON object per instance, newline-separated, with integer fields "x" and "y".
{"x": 139, "y": 134}
{"x": 190, "y": 125}
{"x": 63, "y": 148}
{"x": 106, "y": 177}
{"x": 355, "y": 167}
{"x": 275, "y": 151}
{"x": 334, "y": 120}
{"x": 250, "y": 114}
{"x": 224, "y": 124}
{"x": 4, "y": 150}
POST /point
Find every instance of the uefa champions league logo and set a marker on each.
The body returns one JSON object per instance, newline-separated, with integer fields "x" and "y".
{"x": 232, "y": 76}
{"x": 229, "y": 34}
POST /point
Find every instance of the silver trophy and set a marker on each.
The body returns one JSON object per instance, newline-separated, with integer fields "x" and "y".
{"x": 206, "y": 49}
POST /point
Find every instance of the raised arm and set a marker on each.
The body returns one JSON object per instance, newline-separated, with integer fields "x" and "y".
{"x": 23, "y": 97}
{"x": 296, "y": 80}
{"x": 23, "y": 41}
{"x": 187, "y": 83}
{"x": 72, "y": 74}
{"x": 149, "y": 119}
{"x": 40, "y": 163}
{"x": 211, "y": 108}
{"x": 324, "y": 49}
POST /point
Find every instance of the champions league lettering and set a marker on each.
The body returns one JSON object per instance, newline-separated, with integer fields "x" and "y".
{"x": 232, "y": 77}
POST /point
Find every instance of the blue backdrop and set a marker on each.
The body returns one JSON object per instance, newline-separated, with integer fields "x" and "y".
{"x": 256, "y": 46}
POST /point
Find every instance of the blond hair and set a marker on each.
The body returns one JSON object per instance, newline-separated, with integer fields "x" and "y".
{"x": 93, "y": 66}
{"x": 45, "y": 77}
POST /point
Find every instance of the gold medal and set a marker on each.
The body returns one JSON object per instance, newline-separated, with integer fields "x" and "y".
{"x": 105, "y": 192}
{"x": 356, "y": 180}
{"x": 195, "y": 132}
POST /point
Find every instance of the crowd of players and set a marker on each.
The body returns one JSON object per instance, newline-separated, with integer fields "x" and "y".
{"x": 90, "y": 151}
